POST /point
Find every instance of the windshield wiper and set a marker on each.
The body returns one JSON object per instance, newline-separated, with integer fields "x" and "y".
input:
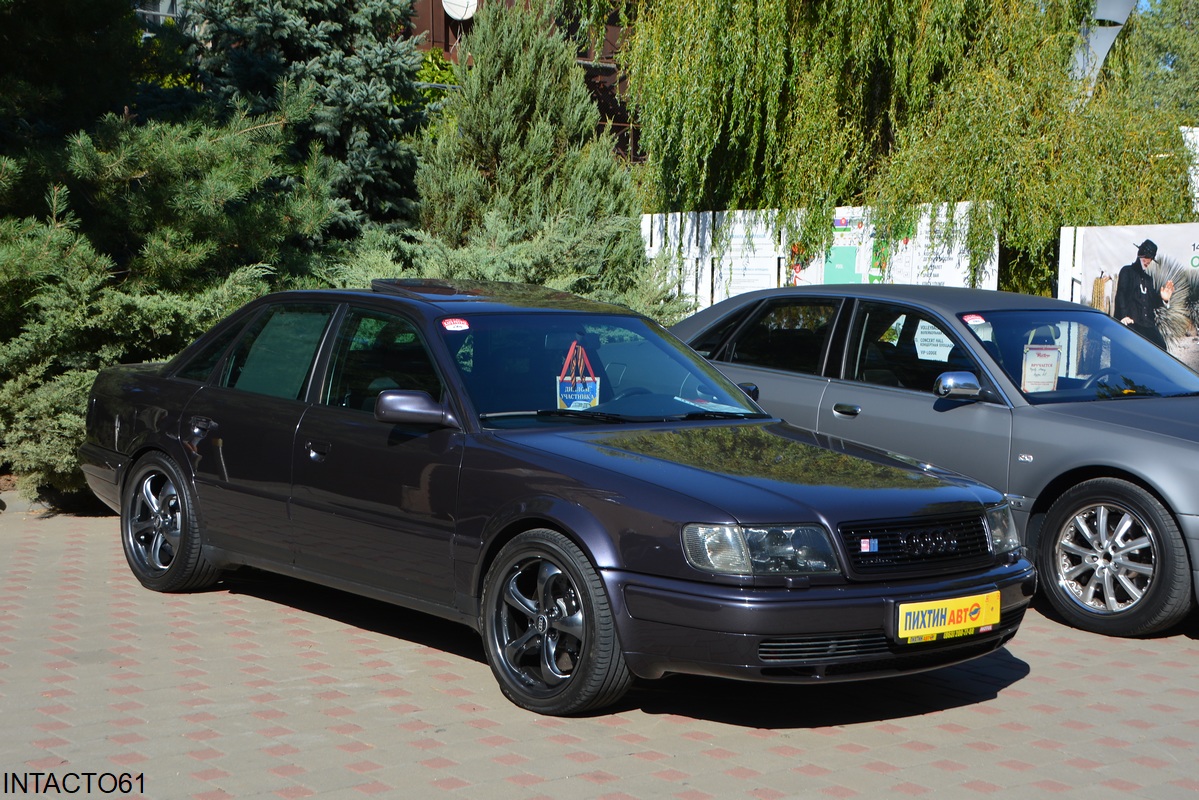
{"x": 603, "y": 416}
{"x": 724, "y": 415}
{"x": 599, "y": 416}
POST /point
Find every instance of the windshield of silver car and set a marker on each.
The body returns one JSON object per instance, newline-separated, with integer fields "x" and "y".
{"x": 1072, "y": 356}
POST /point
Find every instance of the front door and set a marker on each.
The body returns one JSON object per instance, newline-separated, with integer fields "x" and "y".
{"x": 885, "y": 398}
{"x": 373, "y": 503}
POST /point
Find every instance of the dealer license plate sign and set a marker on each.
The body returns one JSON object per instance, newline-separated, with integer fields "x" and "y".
{"x": 948, "y": 619}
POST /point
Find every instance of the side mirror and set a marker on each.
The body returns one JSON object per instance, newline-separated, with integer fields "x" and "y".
{"x": 959, "y": 385}
{"x": 750, "y": 389}
{"x": 399, "y": 406}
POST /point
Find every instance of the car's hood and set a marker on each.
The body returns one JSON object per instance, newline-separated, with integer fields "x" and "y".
{"x": 1174, "y": 417}
{"x": 765, "y": 472}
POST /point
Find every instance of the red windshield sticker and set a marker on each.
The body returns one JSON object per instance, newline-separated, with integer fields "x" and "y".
{"x": 455, "y": 324}
{"x": 973, "y": 319}
{"x": 578, "y": 387}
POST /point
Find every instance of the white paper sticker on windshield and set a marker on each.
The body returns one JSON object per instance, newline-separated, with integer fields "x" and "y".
{"x": 455, "y": 324}
{"x": 1040, "y": 367}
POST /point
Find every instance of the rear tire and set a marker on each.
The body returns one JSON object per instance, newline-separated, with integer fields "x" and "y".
{"x": 1113, "y": 560}
{"x": 160, "y": 528}
{"x": 548, "y": 630}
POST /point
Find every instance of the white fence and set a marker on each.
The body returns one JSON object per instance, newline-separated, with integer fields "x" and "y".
{"x": 725, "y": 253}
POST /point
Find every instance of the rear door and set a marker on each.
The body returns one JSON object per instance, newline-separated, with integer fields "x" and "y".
{"x": 885, "y": 399}
{"x": 782, "y": 348}
{"x": 239, "y": 429}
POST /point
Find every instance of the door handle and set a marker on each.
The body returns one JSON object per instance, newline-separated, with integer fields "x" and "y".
{"x": 846, "y": 409}
{"x": 317, "y": 451}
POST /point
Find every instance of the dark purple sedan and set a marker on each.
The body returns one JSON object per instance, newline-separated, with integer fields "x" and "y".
{"x": 564, "y": 476}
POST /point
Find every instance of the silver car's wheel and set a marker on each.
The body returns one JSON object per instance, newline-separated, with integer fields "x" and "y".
{"x": 1113, "y": 560}
{"x": 548, "y": 629}
{"x": 159, "y": 528}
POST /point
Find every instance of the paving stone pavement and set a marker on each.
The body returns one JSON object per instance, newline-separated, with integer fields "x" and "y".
{"x": 268, "y": 688}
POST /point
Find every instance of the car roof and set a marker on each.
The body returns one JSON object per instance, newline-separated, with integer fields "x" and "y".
{"x": 438, "y": 297}
{"x": 948, "y": 300}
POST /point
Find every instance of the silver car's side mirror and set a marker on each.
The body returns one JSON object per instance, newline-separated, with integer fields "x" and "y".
{"x": 957, "y": 384}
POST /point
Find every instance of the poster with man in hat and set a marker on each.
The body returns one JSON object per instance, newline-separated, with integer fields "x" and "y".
{"x": 1158, "y": 292}
{"x": 1138, "y": 299}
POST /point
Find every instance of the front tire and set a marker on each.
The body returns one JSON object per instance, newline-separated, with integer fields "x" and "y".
{"x": 160, "y": 529}
{"x": 1113, "y": 560}
{"x": 548, "y": 630}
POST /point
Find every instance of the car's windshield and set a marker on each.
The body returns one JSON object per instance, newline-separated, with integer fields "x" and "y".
{"x": 1067, "y": 356}
{"x": 535, "y": 368}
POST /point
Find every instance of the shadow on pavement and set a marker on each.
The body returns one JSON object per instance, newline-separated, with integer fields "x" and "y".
{"x": 767, "y": 706}
{"x": 360, "y": 612}
{"x": 753, "y": 705}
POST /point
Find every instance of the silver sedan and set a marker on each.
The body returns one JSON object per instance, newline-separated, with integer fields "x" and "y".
{"x": 1091, "y": 430}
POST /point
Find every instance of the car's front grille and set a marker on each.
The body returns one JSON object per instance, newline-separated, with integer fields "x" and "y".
{"x": 818, "y": 648}
{"x": 911, "y": 547}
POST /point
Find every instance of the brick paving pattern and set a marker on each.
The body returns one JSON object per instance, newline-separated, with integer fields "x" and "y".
{"x": 269, "y": 688}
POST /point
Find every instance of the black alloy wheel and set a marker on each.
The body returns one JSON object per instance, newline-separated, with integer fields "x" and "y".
{"x": 548, "y": 629}
{"x": 160, "y": 529}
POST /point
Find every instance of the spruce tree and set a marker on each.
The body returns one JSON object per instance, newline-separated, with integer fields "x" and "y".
{"x": 517, "y": 181}
{"x": 63, "y": 65}
{"x": 362, "y": 65}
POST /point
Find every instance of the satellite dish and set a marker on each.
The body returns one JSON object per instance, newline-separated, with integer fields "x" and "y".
{"x": 460, "y": 9}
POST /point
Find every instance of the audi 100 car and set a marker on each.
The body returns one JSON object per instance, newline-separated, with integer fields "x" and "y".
{"x": 1090, "y": 430}
{"x": 563, "y": 476}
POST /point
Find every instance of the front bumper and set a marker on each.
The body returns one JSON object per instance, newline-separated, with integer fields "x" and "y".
{"x": 827, "y": 634}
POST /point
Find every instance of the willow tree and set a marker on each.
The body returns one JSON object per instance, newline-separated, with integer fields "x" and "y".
{"x": 1158, "y": 61}
{"x": 801, "y": 106}
{"x": 1035, "y": 150}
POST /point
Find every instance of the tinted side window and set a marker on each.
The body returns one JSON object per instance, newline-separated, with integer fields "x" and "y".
{"x": 377, "y": 351}
{"x": 791, "y": 335}
{"x": 707, "y": 343}
{"x": 200, "y": 365}
{"x": 899, "y": 346}
{"x": 277, "y": 352}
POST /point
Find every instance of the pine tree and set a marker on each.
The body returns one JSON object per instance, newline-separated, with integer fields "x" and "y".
{"x": 185, "y": 222}
{"x": 363, "y": 67}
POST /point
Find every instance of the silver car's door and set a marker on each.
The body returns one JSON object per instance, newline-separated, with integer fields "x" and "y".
{"x": 782, "y": 349}
{"x": 885, "y": 398}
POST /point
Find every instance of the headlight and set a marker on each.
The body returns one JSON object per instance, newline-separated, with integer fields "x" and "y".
{"x": 1004, "y": 537}
{"x": 760, "y": 550}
